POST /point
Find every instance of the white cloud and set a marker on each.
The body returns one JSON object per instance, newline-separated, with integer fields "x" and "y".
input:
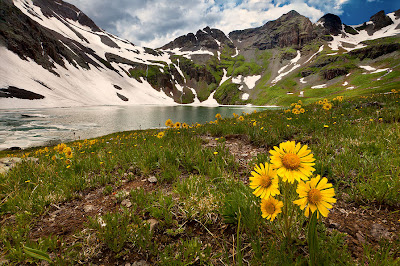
{"x": 154, "y": 23}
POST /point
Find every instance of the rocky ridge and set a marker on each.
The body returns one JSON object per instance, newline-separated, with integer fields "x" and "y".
{"x": 189, "y": 69}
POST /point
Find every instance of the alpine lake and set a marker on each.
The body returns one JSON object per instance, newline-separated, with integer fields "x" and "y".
{"x": 24, "y": 128}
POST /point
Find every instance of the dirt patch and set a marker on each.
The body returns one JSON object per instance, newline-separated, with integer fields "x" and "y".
{"x": 364, "y": 226}
{"x": 70, "y": 217}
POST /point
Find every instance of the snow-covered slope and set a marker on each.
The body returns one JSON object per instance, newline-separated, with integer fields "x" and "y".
{"x": 350, "y": 42}
{"x": 72, "y": 84}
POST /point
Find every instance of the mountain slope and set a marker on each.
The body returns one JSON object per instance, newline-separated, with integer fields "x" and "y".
{"x": 52, "y": 49}
{"x": 54, "y": 55}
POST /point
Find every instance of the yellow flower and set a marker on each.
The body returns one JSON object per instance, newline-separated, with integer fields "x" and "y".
{"x": 292, "y": 161}
{"x": 160, "y": 135}
{"x": 60, "y": 147}
{"x": 218, "y": 116}
{"x": 297, "y": 106}
{"x": 215, "y": 153}
{"x": 169, "y": 123}
{"x": 177, "y": 125}
{"x": 302, "y": 110}
{"x": 270, "y": 208}
{"x": 316, "y": 194}
{"x": 241, "y": 118}
{"x": 184, "y": 125}
{"x": 68, "y": 152}
{"x": 327, "y": 106}
{"x": 264, "y": 181}
{"x": 235, "y": 115}
{"x": 254, "y": 124}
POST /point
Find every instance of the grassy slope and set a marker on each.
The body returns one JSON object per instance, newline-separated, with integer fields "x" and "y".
{"x": 364, "y": 84}
{"x": 200, "y": 189}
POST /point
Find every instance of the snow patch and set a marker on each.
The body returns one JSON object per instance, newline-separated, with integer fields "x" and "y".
{"x": 251, "y": 81}
{"x": 319, "y": 50}
{"x": 224, "y": 77}
{"x": 302, "y": 81}
{"x": 345, "y": 83}
{"x": 368, "y": 68}
{"x": 319, "y": 86}
{"x": 245, "y": 96}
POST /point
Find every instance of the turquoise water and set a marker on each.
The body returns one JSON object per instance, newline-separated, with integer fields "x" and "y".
{"x": 35, "y": 127}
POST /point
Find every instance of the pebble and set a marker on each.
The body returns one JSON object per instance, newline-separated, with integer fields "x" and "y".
{"x": 88, "y": 208}
{"x": 127, "y": 203}
{"x": 152, "y": 179}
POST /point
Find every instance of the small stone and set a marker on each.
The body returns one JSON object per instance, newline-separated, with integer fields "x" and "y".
{"x": 140, "y": 263}
{"x": 378, "y": 231}
{"x": 152, "y": 179}
{"x": 332, "y": 224}
{"x": 360, "y": 237}
{"x": 127, "y": 203}
{"x": 153, "y": 223}
{"x": 88, "y": 208}
{"x": 128, "y": 264}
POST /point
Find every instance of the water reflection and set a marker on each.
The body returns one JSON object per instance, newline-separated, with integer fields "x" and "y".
{"x": 33, "y": 127}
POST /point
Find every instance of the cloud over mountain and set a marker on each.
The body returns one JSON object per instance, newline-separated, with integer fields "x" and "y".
{"x": 154, "y": 23}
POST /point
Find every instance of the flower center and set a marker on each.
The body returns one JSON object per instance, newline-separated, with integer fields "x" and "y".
{"x": 291, "y": 161}
{"x": 266, "y": 181}
{"x": 270, "y": 208}
{"x": 314, "y": 196}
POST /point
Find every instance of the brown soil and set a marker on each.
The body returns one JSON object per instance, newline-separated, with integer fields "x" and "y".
{"x": 361, "y": 225}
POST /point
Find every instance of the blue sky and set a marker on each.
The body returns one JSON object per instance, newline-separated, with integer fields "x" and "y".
{"x": 153, "y": 23}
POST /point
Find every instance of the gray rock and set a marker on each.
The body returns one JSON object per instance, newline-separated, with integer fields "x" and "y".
{"x": 88, "y": 208}
{"x": 152, "y": 179}
{"x": 378, "y": 232}
{"x": 127, "y": 203}
{"x": 140, "y": 263}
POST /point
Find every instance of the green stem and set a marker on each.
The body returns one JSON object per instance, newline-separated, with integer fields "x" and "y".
{"x": 313, "y": 239}
{"x": 286, "y": 214}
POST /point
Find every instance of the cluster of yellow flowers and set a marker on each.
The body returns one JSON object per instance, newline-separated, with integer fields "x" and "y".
{"x": 338, "y": 98}
{"x": 296, "y": 108}
{"x": 176, "y": 125}
{"x": 64, "y": 149}
{"x": 291, "y": 162}
{"x": 326, "y": 104}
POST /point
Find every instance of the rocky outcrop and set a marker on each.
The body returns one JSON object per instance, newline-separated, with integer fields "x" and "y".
{"x": 291, "y": 29}
{"x": 332, "y": 73}
{"x": 380, "y": 20}
{"x": 51, "y": 8}
{"x": 331, "y": 23}
{"x": 28, "y": 39}
{"x": 14, "y": 92}
{"x": 375, "y": 51}
{"x": 207, "y": 38}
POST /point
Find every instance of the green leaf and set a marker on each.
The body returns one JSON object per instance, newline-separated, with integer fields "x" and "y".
{"x": 36, "y": 253}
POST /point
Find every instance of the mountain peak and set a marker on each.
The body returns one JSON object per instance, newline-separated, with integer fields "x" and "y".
{"x": 207, "y": 38}
{"x": 381, "y": 20}
{"x": 332, "y": 23}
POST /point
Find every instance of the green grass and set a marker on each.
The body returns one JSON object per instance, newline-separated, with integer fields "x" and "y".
{"x": 205, "y": 211}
